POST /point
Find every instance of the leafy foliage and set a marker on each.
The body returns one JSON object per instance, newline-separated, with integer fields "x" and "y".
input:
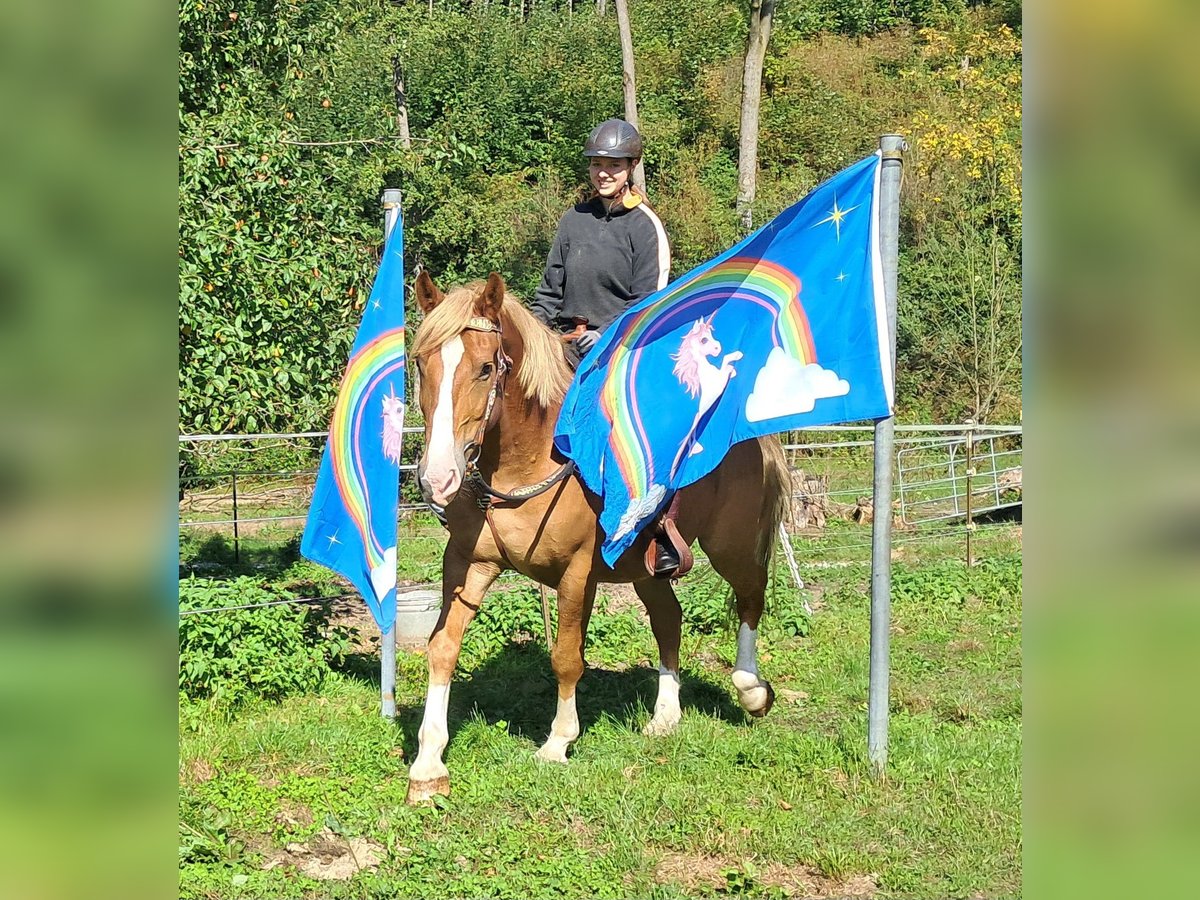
{"x": 996, "y": 580}
{"x": 269, "y": 652}
{"x": 288, "y": 132}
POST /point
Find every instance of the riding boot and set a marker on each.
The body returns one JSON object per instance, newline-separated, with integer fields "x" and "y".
{"x": 666, "y": 560}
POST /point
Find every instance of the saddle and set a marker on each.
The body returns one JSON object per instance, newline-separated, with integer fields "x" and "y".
{"x": 668, "y": 555}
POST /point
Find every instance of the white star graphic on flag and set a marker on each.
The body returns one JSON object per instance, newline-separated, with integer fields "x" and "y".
{"x": 333, "y": 539}
{"x": 841, "y": 276}
{"x": 835, "y": 216}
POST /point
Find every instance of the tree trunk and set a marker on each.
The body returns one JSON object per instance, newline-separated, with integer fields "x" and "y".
{"x": 629, "y": 84}
{"x": 401, "y": 102}
{"x": 761, "y": 14}
{"x": 602, "y": 7}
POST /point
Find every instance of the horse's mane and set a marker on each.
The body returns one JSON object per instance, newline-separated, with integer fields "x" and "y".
{"x": 687, "y": 369}
{"x": 542, "y": 373}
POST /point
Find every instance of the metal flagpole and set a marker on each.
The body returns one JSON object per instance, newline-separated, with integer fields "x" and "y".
{"x": 893, "y": 147}
{"x": 387, "y": 639}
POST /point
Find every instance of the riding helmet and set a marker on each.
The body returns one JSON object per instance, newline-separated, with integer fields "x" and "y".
{"x": 614, "y": 138}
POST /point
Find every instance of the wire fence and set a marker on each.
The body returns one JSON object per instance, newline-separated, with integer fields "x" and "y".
{"x": 832, "y": 478}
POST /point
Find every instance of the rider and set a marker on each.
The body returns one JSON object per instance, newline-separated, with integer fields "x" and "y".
{"x": 609, "y": 252}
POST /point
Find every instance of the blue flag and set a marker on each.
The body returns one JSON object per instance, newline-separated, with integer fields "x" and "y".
{"x": 785, "y": 330}
{"x": 351, "y": 525}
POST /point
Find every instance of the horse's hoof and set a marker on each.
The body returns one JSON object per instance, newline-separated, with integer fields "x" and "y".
{"x": 661, "y": 726}
{"x": 766, "y": 707}
{"x": 555, "y": 754}
{"x": 754, "y": 694}
{"x": 420, "y": 792}
{"x": 655, "y": 729}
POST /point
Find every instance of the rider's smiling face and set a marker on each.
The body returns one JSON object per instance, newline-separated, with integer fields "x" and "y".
{"x": 609, "y": 176}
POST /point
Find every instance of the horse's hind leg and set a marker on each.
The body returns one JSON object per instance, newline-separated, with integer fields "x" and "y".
{"x": 666, "y": 619}
{"x": 740, "y": 566}
{"x": 576, "y": 594}
{"x": 463, "y": 586}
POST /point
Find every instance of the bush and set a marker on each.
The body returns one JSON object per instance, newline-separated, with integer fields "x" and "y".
{"x": 269, "y": 652}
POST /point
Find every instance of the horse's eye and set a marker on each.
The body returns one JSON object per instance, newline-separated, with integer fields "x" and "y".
{"x": 485, "y": 370}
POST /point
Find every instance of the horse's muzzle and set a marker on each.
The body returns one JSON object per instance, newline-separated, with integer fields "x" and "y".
{"x": 440, "y": 483}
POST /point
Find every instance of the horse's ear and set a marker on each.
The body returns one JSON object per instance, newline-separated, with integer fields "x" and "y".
{"x": 428, "y": 295}
{"x": 489, "y": 302}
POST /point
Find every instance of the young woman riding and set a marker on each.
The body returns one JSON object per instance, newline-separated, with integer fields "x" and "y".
{"x": 609, "y": 251}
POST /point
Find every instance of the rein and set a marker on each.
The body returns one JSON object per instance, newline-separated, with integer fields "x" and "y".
{"x": 486, "y": 496}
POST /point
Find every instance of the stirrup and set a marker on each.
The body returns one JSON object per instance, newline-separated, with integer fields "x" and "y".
{"x": 668, "y": 556}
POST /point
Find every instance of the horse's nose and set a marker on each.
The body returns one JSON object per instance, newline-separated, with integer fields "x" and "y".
{"x": 443, "y": 486}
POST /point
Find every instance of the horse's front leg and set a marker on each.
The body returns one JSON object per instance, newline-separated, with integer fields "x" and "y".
{"x": 666, "y": 619}
{"x": 464, "y": 584}
{"x": 576, "y": 594}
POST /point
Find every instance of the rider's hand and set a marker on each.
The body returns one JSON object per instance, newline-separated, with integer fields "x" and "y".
{"x": 586, "y": 340}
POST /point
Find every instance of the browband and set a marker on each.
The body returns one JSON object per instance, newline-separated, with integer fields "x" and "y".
{"x": 482, "y": 323}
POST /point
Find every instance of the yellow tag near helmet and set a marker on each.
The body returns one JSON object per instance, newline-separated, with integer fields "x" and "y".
{"x": 631, "y": 199}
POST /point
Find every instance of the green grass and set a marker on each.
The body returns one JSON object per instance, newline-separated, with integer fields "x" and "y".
{"x": 779, "y": 807}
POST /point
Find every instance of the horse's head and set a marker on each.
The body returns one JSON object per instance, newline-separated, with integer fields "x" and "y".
{"x": 700, "y": 341}
{"x": 461, "y": 366}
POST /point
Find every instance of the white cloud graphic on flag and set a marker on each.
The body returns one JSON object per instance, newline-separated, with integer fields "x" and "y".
{"x": 787, "y": 387}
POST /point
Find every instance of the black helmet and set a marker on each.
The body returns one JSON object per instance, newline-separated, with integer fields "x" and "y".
{"x": 614, "y": 138}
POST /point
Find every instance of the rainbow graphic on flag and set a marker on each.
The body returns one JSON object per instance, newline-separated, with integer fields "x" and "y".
{"x": 351, "y": 525}
{"x": 382, "y": 358}
{"x": 745, "y": 279}
{"x": 729, "y": 352}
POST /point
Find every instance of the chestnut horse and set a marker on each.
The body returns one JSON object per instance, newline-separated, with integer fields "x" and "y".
{"x": 491, "y": 383}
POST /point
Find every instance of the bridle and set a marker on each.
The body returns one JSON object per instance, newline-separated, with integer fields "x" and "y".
{"x": 486, "y": 496}
{"x": 499, "y": 381}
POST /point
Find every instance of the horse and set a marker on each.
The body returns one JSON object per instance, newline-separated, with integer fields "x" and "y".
{"x": 491, "y": 380}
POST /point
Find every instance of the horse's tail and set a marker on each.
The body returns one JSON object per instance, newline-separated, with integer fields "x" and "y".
{"x": 777, "y": 495}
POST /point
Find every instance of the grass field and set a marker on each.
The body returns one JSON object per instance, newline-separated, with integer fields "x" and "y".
{"x": 274, "y": 797}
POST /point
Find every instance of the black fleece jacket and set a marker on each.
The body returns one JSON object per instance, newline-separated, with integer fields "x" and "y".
{"x": 601, "y": 263}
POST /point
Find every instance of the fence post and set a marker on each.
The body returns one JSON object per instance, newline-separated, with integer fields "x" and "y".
{"x": 970, "y": 487}
{"x": 390, "y": 201}
{"x": 893, "y": 147}
{"x": 237, "y": 547}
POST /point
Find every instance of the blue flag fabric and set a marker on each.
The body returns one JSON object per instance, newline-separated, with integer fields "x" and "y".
{"x": 785, "y": 330}
{"x": 351, "y": 525}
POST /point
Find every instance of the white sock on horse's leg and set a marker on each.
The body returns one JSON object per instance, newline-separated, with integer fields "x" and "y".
{"x": 433, "y": 737}
{"x": 666, "y": 707}
{"x": 754, "y": 694}
{"x": 563, "y": 730}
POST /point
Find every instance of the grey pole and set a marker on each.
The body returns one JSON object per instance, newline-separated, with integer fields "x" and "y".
{"x": 387, "y": 639}
{"x": 893, "y": 147}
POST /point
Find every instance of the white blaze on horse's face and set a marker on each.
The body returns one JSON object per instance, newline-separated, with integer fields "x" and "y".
{"x": 443, "y": 464}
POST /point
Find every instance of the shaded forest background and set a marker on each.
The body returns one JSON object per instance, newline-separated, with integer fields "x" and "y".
{"x": 288, "y": 131}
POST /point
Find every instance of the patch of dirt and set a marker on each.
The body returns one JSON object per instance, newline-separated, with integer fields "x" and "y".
{"x": 619, "y": 597}
{"x": 199, "y": 771}
{"x": 329, "y": 857}
{"x": 693, "y": 871}
{"x": 293, "y": 815}
{"x": 791, "y": 696}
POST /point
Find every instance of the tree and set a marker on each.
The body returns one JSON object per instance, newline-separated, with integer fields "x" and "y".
{"x": 629, "y": 84}
{"x": 761, "y": 14}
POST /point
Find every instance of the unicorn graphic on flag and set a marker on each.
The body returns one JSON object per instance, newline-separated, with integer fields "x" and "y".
{"x": 701, "y": 377}
{"x": 393, "y": 426}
